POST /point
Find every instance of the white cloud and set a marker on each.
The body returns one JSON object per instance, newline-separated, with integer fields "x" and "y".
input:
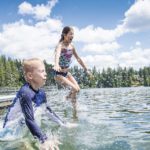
{"x": 136, "y": 58}
{"x": 102, "y": 48}
{"x": 90, "y": 34}
{"x": 100, "y": 61}
{"x": 39, "y": 12}
{"x": 21, "y": 40}
{"x": 50, "y": 25}
{"x": 25, "y": 8}
{"x": 137, "y": 18}
{"x": 138, "y": 43}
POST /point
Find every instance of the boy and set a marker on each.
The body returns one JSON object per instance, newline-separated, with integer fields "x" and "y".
{"x": 29, "y": 97}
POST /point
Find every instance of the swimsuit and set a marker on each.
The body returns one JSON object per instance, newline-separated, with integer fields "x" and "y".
{"x": 64, "y": 74}
{"x": 23, "y": 107}
{"x": 64, "y": 61}
{"x": 65, "y": 58}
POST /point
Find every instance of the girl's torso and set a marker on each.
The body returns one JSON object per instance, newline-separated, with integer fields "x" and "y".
{"x": 65, "y": 56}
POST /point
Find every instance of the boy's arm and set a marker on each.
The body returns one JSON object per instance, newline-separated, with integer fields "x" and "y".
{"x": 27, "y": 109}
{"x": 58, "y": 120}
{"x": 54, "y": 116}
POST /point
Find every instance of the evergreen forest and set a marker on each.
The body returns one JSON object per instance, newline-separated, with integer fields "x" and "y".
{"x": 11, "y": 75}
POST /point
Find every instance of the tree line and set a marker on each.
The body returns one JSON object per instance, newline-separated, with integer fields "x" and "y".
{"x": 11, "y": 75}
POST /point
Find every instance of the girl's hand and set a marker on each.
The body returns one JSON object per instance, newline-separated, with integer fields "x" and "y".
{"x": 89, "y": 74}
{"x": 57, "y": 68}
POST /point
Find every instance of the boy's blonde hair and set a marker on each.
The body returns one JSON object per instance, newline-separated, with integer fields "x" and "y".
{"x": 30, "y": 64}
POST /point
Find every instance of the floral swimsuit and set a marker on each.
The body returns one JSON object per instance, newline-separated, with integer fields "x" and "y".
{"x": 64, "y": 61}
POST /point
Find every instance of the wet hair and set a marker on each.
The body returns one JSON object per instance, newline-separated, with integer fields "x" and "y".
{"x": 65, "y": 31}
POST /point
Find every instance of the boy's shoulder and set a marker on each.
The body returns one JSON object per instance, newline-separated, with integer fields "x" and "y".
{"x": 24, "y": 87}
{"x": 26, "y": 90}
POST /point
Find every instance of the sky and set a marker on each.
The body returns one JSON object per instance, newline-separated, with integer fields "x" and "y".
{"x": 107, "y": 33}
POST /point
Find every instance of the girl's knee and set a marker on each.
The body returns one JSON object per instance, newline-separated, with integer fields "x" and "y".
{"x": 76, "y": 89}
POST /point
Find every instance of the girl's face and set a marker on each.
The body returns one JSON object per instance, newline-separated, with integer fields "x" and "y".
{"x": 69, "y": 36}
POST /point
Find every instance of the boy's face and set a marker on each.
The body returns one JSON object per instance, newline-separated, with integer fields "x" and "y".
{"x": 38, "y": 76}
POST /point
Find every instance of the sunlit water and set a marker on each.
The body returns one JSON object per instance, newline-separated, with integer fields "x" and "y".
{"x": 108, "y": 119}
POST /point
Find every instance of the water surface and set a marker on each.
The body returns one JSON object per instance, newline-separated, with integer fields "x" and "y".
{"x": 108, "y": 119}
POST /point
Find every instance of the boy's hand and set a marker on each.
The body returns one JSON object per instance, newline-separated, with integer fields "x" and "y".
{"x": 70, "y": 125}
{"x": 50, "y": 144}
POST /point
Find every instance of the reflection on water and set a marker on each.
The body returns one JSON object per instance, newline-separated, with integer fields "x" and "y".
{"x": 108, "y": 119}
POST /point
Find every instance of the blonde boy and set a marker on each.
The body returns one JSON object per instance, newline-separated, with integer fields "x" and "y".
{"x": 29, "y": 97}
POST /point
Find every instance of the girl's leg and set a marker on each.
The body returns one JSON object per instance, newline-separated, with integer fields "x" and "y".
{"x": 66, "y": 82}
{"x": 73, "y": 92}
{"x": 69, "y": 81}
{"x": 72, "y": 79}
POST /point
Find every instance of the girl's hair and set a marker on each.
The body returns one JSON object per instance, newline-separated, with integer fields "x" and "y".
{"x": 64, "y": 32}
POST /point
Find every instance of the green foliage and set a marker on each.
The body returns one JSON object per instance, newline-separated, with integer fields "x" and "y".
{"x": 110, "y": 78}
{"x": 11, "y": 75}
{"x": 9, "y": 72}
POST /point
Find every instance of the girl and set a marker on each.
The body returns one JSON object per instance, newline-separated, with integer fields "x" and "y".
{"x": 63, "y": 54}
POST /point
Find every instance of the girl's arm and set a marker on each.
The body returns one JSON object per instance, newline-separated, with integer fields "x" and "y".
{"x": 57, "y": 55}
{"x": 82, "y": 63}
{"x": 79, "y": 59}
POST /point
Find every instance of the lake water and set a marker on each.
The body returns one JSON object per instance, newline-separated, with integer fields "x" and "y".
{"x": 108, "y": 119}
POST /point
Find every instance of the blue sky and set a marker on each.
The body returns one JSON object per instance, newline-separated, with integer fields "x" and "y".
{"x": 108, "y": 33}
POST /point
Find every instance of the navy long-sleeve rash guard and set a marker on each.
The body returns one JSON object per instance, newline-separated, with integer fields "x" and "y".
{"x": 23, "y": 104}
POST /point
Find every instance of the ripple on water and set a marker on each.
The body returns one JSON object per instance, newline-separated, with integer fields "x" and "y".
{"x": 108, "y": 119}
